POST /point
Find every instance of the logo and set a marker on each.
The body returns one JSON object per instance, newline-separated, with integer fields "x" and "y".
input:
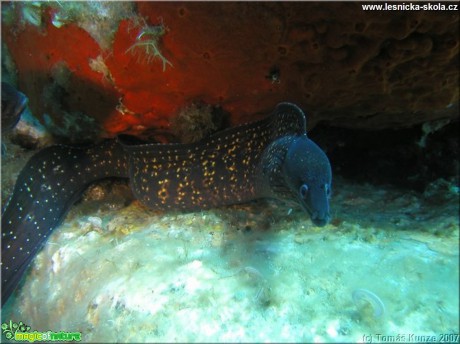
{"x": 22, "y": 333}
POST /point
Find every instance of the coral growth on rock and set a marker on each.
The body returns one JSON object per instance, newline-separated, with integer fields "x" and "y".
{"x": 376, "y": 70}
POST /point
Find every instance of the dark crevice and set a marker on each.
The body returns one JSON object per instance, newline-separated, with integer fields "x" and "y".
{"x": 392, "y": 156}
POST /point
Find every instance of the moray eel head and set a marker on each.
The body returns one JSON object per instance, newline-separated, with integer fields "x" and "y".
{"x": 308, "y": 175}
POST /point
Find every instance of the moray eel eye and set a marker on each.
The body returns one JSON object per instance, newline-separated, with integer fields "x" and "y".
{"x": 303, "y": 191}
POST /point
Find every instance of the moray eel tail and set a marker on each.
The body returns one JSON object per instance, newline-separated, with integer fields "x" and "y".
{"x": 50, "y": 182}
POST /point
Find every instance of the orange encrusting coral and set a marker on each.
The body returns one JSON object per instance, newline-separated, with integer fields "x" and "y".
{"x": 196, "y": 73}
{"x": 247, "y": 57}
{"x": 36, "y": 54}
{"x": 146, "y": 95}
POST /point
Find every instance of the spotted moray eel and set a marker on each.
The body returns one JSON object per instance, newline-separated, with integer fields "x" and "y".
{"x": 271, "y": 158}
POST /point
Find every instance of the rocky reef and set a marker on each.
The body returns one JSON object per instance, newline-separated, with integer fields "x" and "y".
{"x": 381, "y": 93}
{"x": 144, "y": 62}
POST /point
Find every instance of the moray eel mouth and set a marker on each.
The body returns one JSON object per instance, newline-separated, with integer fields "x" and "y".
{"x": 316, "y": 218}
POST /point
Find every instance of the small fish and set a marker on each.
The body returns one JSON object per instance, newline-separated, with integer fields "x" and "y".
{"x": 13, "y": 105}
{"x": 270, "y": 158}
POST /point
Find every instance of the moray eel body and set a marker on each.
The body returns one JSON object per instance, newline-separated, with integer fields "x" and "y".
{"x": 48, "y": 185}
{"x": 270, "y": 158}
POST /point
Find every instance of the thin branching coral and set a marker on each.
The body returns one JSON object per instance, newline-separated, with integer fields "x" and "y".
{"x": 148, "y": 40}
